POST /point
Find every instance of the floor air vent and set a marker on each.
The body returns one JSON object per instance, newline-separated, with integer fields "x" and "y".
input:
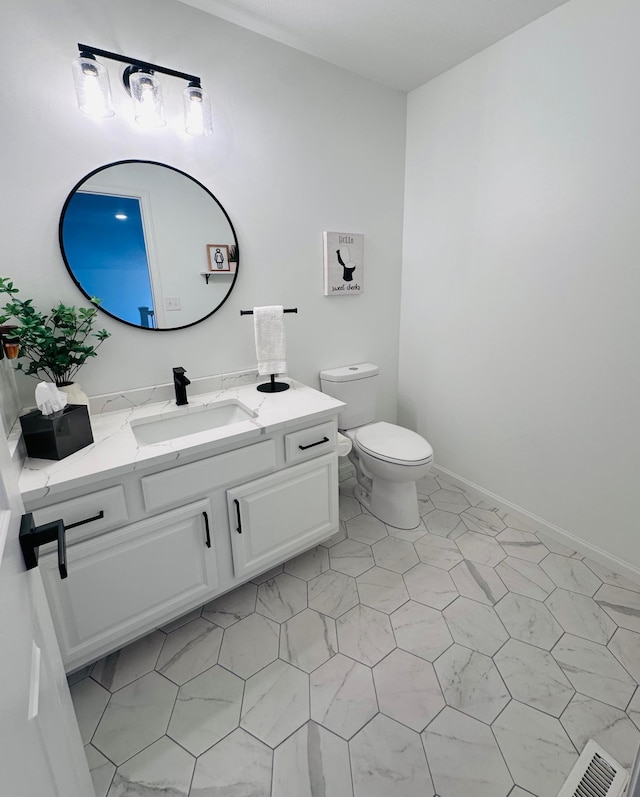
{"x": 595, "y": 774}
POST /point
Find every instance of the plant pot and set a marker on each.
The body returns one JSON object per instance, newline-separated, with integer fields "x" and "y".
{"x": 75, "y": 394}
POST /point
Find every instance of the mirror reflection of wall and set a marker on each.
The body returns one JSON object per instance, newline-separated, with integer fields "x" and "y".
{"x": 136, "y": 234}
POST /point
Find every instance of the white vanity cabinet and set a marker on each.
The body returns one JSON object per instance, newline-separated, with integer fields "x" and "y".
{"x": 281, "y": 515}
{"x": 147, "y": 546}
{"x": 126, "y": 582}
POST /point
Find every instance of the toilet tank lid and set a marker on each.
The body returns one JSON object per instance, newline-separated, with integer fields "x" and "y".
{"x": 347, "y": 373}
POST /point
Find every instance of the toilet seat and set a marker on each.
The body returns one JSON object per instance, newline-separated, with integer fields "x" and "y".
{"x": 392, "y": 443}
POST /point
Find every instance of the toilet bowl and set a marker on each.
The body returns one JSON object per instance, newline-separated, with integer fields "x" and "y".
{"x": 388, "y": 458}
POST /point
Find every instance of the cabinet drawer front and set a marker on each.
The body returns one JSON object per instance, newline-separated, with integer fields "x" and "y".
{"x": 125, "y": 583}
{"x": 279, "y": 516}
{"x": 312, "y": 442}
{"x": 170, "y": 486}
{"x": 110, "y": 502}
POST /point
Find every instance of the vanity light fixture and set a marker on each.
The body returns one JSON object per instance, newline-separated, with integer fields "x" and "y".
{"x": 140, "y": 80}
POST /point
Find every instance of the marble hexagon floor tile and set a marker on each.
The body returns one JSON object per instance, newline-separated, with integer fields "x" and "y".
{"x": 207, "y": 709}
{"x": 571, "y": 574}
{"x": 533, "y": 677}
{"x": 100, "y": 769}
{"x": 475, "y": 625}
{"x": 535, "y": 746}
{"x": 586, "y": 718}
{"x": 430, "y": 585}
{"x": 480, "y": 548}
{"x": 333, "y": 593}
{"x": 309, "y": 564}
{"x": 137, "y": 715}
{"x": 622, "y": 606}
{"x": 522, "y": 545}
{"x": 444, "y": 524}
{"x": 382, "y": 589}
{"x": 250, "y": 645}
{"x": 275, "y": 702}
{"x": 190, "y": 650}
{"x": 594, "y": 671}
{"x": 343, "y": 697}
{"x": 308, "y": 640}
{"x": 232, "y": 607}
{"x": 408, "y": 689}
{"x": 310, "y": 763}
{"x": 449, "y": 500}
{"x": 387, "y": 758}
{"x": 580, "y": 615}
{"x": 89, "y": 702}
{"x": 162, "y": 768}
{"x": 478, "y": 582}
{"x": 125, "y": 665}
{"x": 625, "y": 646}
{"x": 281, "y": 597}
{"x": 471, "y": 683}
{"x": 438, "y": 551}
{"x": 239, "y": 765}
{"x": 484, "y": 521}
{"x": 351, "y": 557}
{"x": 421, "y": 630}
{"x": 365, "y": 635}
{"x": 525, "y": 578}
{"x": 633, "y": 709}
{"x": 529, "y": 621}
{"x": 610, "y": 577}
{"x": 365, "y": 528}
{"x": 464, "y": 758}
{"x": 394, "y": 554}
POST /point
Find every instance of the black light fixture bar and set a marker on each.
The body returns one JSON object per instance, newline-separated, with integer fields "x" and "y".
{"x": 86, "y": 51}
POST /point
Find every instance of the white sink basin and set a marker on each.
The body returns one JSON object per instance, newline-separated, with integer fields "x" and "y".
{"x": 160, "y": 428}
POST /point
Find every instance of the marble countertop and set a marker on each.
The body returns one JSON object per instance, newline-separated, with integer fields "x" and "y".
{"x": 115, "y": 449}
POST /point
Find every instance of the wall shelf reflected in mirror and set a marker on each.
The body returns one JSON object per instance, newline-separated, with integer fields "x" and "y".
{"x": 137, "y": 235}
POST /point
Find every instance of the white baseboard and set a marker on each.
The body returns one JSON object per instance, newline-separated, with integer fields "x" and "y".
{"x": 551, "y": 530}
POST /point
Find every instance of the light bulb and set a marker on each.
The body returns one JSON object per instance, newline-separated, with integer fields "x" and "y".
{"x": 197, "y": 111}
{"x": 146, "y": 94}
{"x": 93, "y": 90}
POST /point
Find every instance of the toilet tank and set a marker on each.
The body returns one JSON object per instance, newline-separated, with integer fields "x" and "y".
{"x": 356, "y": 385}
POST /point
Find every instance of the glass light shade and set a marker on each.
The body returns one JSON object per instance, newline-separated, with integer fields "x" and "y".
{"x": 93, "y": 90}
{"x": 197, "y": 112}
{"x": 146, "y": 94}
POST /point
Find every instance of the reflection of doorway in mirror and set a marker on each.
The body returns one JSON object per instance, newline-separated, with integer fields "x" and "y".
{"x": 218, "y": 259}
{"x": 105, "y": 237}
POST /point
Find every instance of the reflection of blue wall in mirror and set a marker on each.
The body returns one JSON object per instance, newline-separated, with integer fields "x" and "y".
{"x": 104, "y": 240}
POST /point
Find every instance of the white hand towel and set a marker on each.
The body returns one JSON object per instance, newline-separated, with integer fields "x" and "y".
{"x": 271, "y": 346}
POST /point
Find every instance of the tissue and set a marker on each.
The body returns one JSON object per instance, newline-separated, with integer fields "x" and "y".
{"x": 49, "y": 399}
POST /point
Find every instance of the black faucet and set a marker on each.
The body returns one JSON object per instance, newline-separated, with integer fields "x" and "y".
{"x": 180, "y": 383}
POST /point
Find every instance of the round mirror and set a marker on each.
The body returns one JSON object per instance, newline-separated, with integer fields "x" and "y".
{"x": 153, "y": 244}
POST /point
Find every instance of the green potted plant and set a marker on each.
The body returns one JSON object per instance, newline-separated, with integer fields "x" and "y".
{"x": 55, "y": 345}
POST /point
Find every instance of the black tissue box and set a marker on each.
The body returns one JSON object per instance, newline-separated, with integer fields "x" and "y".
{"x": 57, "y": 435}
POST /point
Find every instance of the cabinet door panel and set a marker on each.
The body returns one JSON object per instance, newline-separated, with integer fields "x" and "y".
{"x": 121, "y": 584}
{"x": 283, "y": 514}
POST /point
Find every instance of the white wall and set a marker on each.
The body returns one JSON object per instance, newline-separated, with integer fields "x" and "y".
{"x": 521, "y": 276}
{"x": 300, "y": 147}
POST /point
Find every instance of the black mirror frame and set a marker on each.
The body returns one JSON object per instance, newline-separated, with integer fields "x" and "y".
{"x": 184, "y": 174}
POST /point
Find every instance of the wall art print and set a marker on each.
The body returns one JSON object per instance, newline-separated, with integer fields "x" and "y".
{"x": 343, "y": 263}
{"x": 218, "y": 259}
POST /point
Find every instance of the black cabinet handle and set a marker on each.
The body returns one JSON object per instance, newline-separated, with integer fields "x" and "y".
{"x": 206, "y": 528}
{"x": 317, "y": 443}
{"x": 239, "y": 526}
{"x": 32, "y": 537}
{"x": 99, "y": 516}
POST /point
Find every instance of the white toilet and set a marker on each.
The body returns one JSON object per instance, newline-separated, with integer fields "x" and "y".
{"x": 389, "y": 459}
